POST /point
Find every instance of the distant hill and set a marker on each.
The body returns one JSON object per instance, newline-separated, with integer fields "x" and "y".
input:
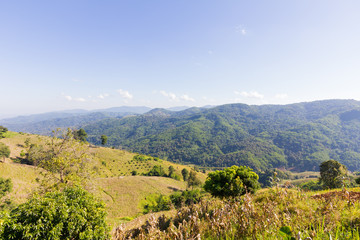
{"x": 46, "y": 122}
{"x": 296, "y": 136}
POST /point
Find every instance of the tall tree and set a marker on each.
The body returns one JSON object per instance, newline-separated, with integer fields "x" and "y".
{"x": 332, "y": 174}
{"x": 80, "y": 135}
{"x": 104, "y": 139}
{"x": 171, "y": 171}
{"x": 193, "y": 180}
{"x": 185, "y": 174}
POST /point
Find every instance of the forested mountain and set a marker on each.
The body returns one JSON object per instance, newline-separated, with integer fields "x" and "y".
{"x": 297, "y": 136}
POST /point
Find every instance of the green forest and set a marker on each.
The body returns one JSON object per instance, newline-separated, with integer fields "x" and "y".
{"x": 296, "y": 136}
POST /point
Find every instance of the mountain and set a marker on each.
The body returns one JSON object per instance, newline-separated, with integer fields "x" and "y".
{"x": 46, "y": 122}
{"x": 296, "y": 136}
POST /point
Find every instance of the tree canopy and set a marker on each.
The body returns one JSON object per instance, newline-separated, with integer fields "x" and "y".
{"x": 231, "y": 182}
{"x": 69, "y": 214}
{"x": 104, "y": 139}
{"x": 63, "y": 157}
{"x": 80, "y": 135}
{"x": 332, "y": 174}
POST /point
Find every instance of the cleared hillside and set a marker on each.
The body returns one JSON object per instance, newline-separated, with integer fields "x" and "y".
{"x": 112, "y": 180}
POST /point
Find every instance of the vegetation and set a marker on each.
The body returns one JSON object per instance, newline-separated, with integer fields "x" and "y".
{"x": 63, "y": 157}
{"x": 297, "y": 136}
{"x": 80, "y": 135}
{"x": 69, "y": 214}
{"x": 192, "y": 180}
{"x": 5, "y": 186}
{"x": 4, "y": 151}
{"x": 232, "y": 182}
{"x": 332, "y": 174}
{"x": 104, "y": 139}
{"x": 112, "y": 181}
{"x": 185, "y": 174}
{"x": 271, "y": 214}
{"x": 3, "y": 130}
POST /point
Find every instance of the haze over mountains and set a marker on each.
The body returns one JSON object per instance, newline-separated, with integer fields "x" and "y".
{"x": 295, "y": 136}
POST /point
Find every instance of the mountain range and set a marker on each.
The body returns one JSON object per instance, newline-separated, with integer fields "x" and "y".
{"x": 296, "y": 136}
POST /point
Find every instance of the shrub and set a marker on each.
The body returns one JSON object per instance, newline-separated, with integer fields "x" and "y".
{"x": 232, "y": 182}
{"x": 156, "y": 203}
{"x": 70, "y": 214}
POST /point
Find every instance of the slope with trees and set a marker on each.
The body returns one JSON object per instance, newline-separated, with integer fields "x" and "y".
{"x": 296, "y": 136}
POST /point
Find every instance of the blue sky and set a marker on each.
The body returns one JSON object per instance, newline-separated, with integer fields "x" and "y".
{"x": 57, "y": 55}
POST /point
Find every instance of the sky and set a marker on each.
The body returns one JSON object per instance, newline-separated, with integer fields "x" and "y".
{"x": 60, "y": 55}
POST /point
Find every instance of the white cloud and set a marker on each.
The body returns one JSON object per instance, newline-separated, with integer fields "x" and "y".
{"x": 80, "y": 99}
{"x": 187, "y": 98}
{"x": 281, "y": 96}
{"x": 69, "y": 98}
{"x": 170, "y": 95}
{"x": 103, "y": 96}
{"x": 125, "y": 94}
{"x": 252, "y": 94}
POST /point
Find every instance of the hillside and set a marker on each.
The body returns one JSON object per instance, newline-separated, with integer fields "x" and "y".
{"x": 296, "y": 136}
{"x": 112, "y": 180}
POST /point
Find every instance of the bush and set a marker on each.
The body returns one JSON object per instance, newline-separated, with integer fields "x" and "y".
{"x": 70, "y": 214}
{"x": 232, "y": 182}
{"x": 311, "y": 185}
{"x": 156, "y": 203}
{"x": 185, "y": 198}
{"x": 332, "y": 174}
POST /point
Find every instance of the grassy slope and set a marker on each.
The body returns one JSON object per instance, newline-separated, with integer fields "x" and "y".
{"x": 121, "y": 192}
{"x": 123, "y": 195}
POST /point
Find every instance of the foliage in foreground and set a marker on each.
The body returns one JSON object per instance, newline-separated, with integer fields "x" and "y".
{"x": 273, "y": 214}
{"x": 71, "y": 214}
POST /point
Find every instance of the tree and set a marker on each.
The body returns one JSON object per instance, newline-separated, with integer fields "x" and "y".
{"x": 3, "y": 130}
{"x": 171, "y": 171}
{"x": 80, "y": 135}
{"x": 157, "y": 170}
{"x": 332, "y": 174}
{"x": 69, "y": 214}
{"x": 63, "y": 157}
{"x": 4, "y": 151}
{"x": 104, "y": 139}
{"x": 5, "y": 186}
{"x": 185, "y": 174}
{"x": 192, "y": 180}
{"x": 232, "y": 182}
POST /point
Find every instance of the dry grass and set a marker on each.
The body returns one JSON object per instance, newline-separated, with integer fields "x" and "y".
{"x": 123, "y": 195}
{"x": 121, "y": 192}
{"x": 333, "y": 215}
{"x": 23, "y": 178}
